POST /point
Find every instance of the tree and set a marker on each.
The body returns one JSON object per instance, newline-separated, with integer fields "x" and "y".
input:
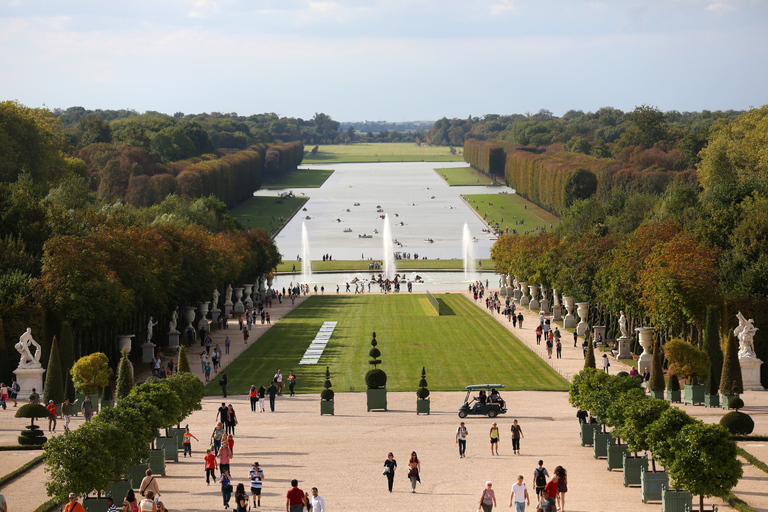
{"x": 705, "y": 461}
{"x": 661, "y": 434}
{"x": 623, "y": 405}
{"x": 686, "y": 361}
{"x": 91, "y": 372}
{"x": 656, "y": 382}
{"x": 375, "y": 378}
{"x": 636, "y": 422}
{"x": 54, "y": 384}
{"x": 730, "y": 380}
{"x": 589, "y": 359}
{"x": 124, "y": 376}
{"x": 580, "y": 185}
{"x": 190, "y": 391}
{"x": 649, "y": 126}
{"x": 183, "y": 364}
{"x": 159, "y": 393}
{"x": 713, "y": 348}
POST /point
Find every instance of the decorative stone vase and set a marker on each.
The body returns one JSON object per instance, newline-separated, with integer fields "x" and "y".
{"x": 693, "y": 394}
{"x": 376, "y": 399}
{"x": 588, "y": 433}
{"x": 503, "y": 284}
{"x": 124, "y": 341}
{"x": 326, "y": 407}
{"x": 524, "y": 299}
{"x": 652, "y": 483}
{"x": 673, "y": 396}
{"x": 533, "y": 302}
{"x": 675, "y": 501}
{"x": 156, "y": 461}
{"x": 633, "y": 468}
{"x": 582, "y": 308}
{"x": 189, "y": 316}
{"x": 170, "y": 446}
{"x": 712, "y": 400}
{"x": 516, "y": 294}
{"x": 600, "y": 443}
{"x": 615, "y": 454}
{"x": 239, "y": 307}
{"x": 422, "y": 406}
{"x": 569, "y": 322}
{"x": 248, "y": 288}
{"x": 645, "y": 334}
{"x": 203, "y": 323}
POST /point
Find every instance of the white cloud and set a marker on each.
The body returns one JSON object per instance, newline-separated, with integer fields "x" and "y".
{"x": 502, "y": 7}
{"x": 720, "y": 6}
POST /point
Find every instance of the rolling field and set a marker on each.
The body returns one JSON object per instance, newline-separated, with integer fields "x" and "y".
{"x": 458, "y": 176}
{"x": 462, "y": 346}
{"x": 265, "y": 212}
{"x": 506, "y": 209}
{"x": 302, "y": 178}
{"x": 362, "y": 265}
{"x": 382, "y": 152}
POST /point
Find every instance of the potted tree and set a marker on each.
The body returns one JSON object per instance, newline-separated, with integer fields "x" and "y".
{"x": 656, "y": 382}
{"x": 422, "y": 395}
{"x": 661, "y": 438}
{"x": 32, "y": 436}
{"x": 634, "y": 432}
{"x": 688, "y": 362}
{"x": 737, "y": 423}
{"x": 715, "y": 351}
{"x": 581, "y": 385}
{"x": 616, "y": 418}
{"x": 376, "y": 381}
{"x": 673, "y": 389}
{"x": 730, "y": 381}
{"x": 326, "y": 395}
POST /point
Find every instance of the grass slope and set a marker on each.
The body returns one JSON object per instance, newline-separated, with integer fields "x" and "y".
{"x": 462, "y": 346}
{"x": 265, "y": 212}
{"x": 460, "y": 176}
{"x": 302, "y": 178}
{"x": 362, "y": 265}
{"x": 503, "y": 208}
{"x": 382, "y": 152}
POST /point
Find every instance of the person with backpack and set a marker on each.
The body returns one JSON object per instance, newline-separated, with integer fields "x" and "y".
{"x": 540, "y": 475}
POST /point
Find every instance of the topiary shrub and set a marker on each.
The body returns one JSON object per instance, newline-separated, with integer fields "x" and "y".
{"x": 32, "y": 435}
{"x": 423, "y": 392}
{"x": 735, "y": 403}
{"x": 375, "y": 378}
{"x": 656, "y": 382}
{"x": 738, "y": 423}
{"x": 622, "y": 374}
{"x": 673, "y": 383}
{"x": 327, "y": 393}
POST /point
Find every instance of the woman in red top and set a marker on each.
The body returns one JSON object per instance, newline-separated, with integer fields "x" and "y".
{"x": 129, "y": 503}
{"x": 552, "y": 487}
{"x": 210, "y": 467}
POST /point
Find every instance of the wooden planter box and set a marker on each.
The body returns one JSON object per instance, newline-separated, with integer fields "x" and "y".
{"x": 725, "y": 400}
{"x": 171, "y": 447}
{"x": 156, "y": 462}
{"x": 119, "y": 490}
{"x": 693, "y": 394}
{"x": 657, "y": 394}
{"x": 136, "y": 474}
{"x": 377, "y": 399}
{"x": 588, "y": 433}
{"x": 673, "y": 396}
{"x": 676, "y": 501}
{"x": 651, "y": 484}
{"x": 95, "y": 504}
{"x": 178, "y": 433}
{"x": 633, "y": 468}
{"x": 712, "y": 400}
{"x": 600, "y": 443}
{"x": 615, "y": 454}
{"x": 326, "y": 407}
{"x": 422, "y": 406}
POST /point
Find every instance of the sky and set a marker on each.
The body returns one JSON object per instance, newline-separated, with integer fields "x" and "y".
{"x": 398, "y": 60}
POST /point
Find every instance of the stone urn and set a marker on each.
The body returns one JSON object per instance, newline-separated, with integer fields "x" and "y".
{"x": 189, "y": 316}
{"x": 569, "y": 322}
{"x": 239, "y": 307}
{"x": 645, "y": 335}
{"x": 124, "y": 342}
{"x": 503, "y": 284}
{"x": 524, "y": 300}
{"x": 248, "y": 288}
{"x": 270, "y": 280}
{"x": 533, "y": 303}
{"x": 582, "y": 308}
{"x": 202, "y": 307}
{"x": 516, "y": 295}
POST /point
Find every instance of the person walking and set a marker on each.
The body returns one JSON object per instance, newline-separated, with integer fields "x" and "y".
{"x": 279, "y": 382}
{"x": 517, "y": 433}
{"x": 519, "y": 495}
{"x": 562, "y": 487}
{"x": 520, "y": 320}
{"x": 256, "y": 476}
{"x": 558, "y": 347}
{"x": 606, "y": 363}
{"x": 291, "y": 382}
{"x": 538, "y": 335}
{"x": 241, "y": 499}
{"x": 210, "y": 466}
{"x": 317, "y": 502}
{"x": 414, "y": 469}
{"x": 262, "y": 394}
{"x": 232, "y": 419}
{"x": 552, "y": 487}
{"x": 148, "y": 503}
{"x": 494, "y": 433}
{"x": 224, "y": 455}
{"x": 390, "y": 465}
{"x": 207, "y": 372}
{"x": 221, "y": 413}
{"x": 272, "y": 392}
{"x": 547, "y": 503}
{"x": 294, "y": 499}
{"x": 646, "y": 377}
{"x": 226, "y": 487}
{"x": 87, "y": 408}
{"x": 149, "y": 484}
{"x": 461, "y": 439}
{"x": 223, "y": 383}
{"x": 549, "y": 345}
{"x": 487, "y": 498}
{"x": 73, "y": 505}
{"x": 203, "y": 361}
{"x": 188, "y": 442}
{"x": 216, "y": 436}
{"x": 253, "y": 395}
{"x": 51, "y": 415}
{"x": 540, "y": 475}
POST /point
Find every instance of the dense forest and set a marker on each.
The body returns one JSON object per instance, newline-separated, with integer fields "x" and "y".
{"x": 663, "y": 215}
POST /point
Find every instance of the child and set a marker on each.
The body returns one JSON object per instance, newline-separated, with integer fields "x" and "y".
{"x": 207, "y": 372}
{"x": 188, "y": 443}
{"x": 210, "y": 466}
{"x": 231, "y": 443}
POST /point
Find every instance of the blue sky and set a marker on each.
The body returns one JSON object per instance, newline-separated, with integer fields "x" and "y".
{"x": 394, "y": 60}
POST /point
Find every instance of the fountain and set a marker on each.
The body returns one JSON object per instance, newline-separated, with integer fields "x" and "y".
{"x": 306, "y": 262}
{"x": 468, "y": 252}
{"x": 389, "y": 254}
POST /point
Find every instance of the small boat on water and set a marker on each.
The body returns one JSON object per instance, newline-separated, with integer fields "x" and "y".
{"x": 347, "y": 209}
{"x": 397, "y": 215}
{"x": 379, "y": 210}
{"x": 364, "y": 236}
{"x": 348, "y": 230}
{"x": 375, "y": 231}
{"x": 303, "y": 209}
{"x": 337, "y": 220}
{"x": 378, "y": 206}
{"x": 432, "y": 197}
{"x": 428, "y": 241}
{"x": 474, "y": 239}
{"x": 401, "y": 223}
{"x": 307, "y": 217}
{"x": 356, "y": 204}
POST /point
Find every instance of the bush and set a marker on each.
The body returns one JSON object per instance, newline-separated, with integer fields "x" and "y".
{"x": 327, "y": 395}
{"x": 686, "y": 360}
{"x": 376, "y": 378}
{"x": 738, "y": 423}
{"x": 673, "y": 383}
{"x": 423, "y": 392}
{"x": 735, "y": 403}
{"x": 622, "y": 374}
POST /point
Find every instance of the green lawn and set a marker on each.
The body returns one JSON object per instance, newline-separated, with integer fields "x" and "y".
{"x": 302, "y": 178}
{"x": 265, "y": 212}
{"x": 462, "y": 346}
{"x": 382, "y": 152}
{"x": 506, "y": 209}
{"x": 457, "y": 176}
{"x": 362, "y": 265}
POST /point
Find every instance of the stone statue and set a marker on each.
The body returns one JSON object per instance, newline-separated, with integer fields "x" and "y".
{"x": 215, "y": 298}
{"x": 28, "y": 359}
{"x": 515, "y": 284}
{"x": 174, "y": 320}
{"x": 150, "y": 327}
{"x": 556, "y": 297}
{"x": 623, "y": 325}
{"x": 228, "y": 295}
{"x": 745, "y": 333}
{"x": 543, "y": 293}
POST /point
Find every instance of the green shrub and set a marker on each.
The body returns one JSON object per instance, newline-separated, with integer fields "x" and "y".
{"x": 735, "y": 403}
{"x": 423, "y": 392}
{"x": 686, "y": 360}
{"x": 656, "y": 382}
{"x": 738, "y": 423}
{"x": 376, "y": 378}
{"x": 673, "y": 383}
{"x": 622, "y": 374}
{"x": 730, "y": 379}
{"x": 327, "y": 393}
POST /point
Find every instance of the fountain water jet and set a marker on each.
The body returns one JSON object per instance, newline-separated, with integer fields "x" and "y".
{"x": 468, "y": 253}
{"x": 306, "y": 262}
{"x": 389, "y": 255}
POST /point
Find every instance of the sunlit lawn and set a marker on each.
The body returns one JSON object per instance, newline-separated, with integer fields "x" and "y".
{"x": 264, "y": 212}
{"x": 301, "y": 178}
{"x": 382, "y": 152}
{"x": 358, "y": 265}
{"x": 506, "y": 209}
{"x": 456, "y": 176}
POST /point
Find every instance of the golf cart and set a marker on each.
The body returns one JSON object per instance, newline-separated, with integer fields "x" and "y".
{"x": 491, "y": 406}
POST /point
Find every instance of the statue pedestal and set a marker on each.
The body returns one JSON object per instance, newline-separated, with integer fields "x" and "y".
{"x": 598, "y": 329}
{"x": 569, "y": 322}
{"x": 557, "y": 313}
{"x": 228, "y": 306}
{"x": 29, "y": 378}
{"x": 625, "y": 348}
{"x": 750, "y": 373}
{"x": 147, "y": 352}
{"x": 533, "y": 305}
{"x": 215, "y": 314}
{"x": 516, "y": 296}
{"x": 544, "y": 304}
{"x": 204, "y": 324}
{"x": 239, "y": 307}
{"x": 173, "y": 339}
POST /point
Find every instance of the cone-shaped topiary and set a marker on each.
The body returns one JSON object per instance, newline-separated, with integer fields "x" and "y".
{"x": 674, "y": 383}
{"x": 375, "y": 378}
{"x": 589, "y": 360}
{"x": 54, "y": 383}
{"x": 124, "y": 378}
{"x": 730, "y": 380}
{"x": 183, "y": 363}
{"x": 715, "y": 351}
{"x": 327, "y": 393}
{"x": 423, "y": 392}
{"x": 656, "y": 382}
{"x": 738, "y": 423}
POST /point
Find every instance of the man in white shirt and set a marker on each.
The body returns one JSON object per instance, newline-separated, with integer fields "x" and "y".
{"x": 519, "y": 495}
{"x": 318, "y": 503}
{"x": 279, "y": 381}
{"x": 461, "y": 439}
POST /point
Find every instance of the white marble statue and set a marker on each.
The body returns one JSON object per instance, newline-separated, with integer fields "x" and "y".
{"x": 215, "y": 298}
{"x": 623, "y": 325}
{"x": 228, "y": 295}
{"x": 174, "y": 320}
{"x": 745, "y": 333}
{"x": 543, "y": 293}
{"x": 28, "y": 359}
{"x": 557, "y": 298}
{"x": 515, "y": 284}
{"x": 150, "y": 327}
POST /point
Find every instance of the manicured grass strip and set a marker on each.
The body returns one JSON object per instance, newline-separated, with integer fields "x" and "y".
{"x": 302, "y": 178}
{"x": 737, "y": 503}
{"x": 507, "y": 209}
{"x": 462, "y": 346}
{"x": 265, "y": 212}
{"x": 23, "y": 469}
{"x": 17, "y": 448}
{"x": 458, "y": 176}
{"x": 362, "y": 265}
{"x": 382, "y": 152}
{"x": 752, "y": 459}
